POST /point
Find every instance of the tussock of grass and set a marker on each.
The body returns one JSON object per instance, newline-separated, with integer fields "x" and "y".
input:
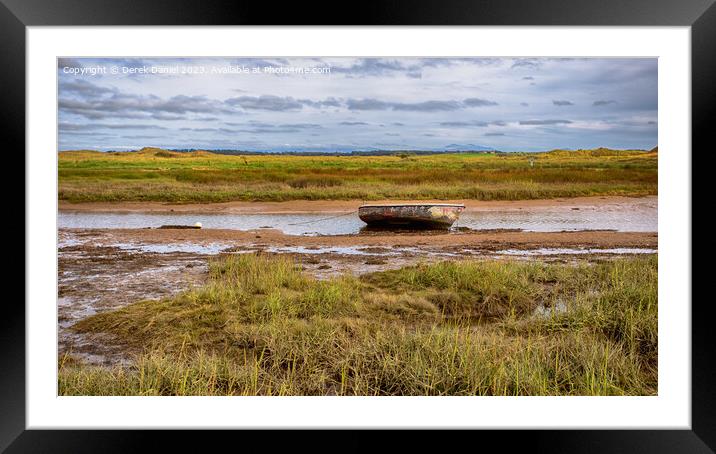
{"x": 159, "y": 175}
{"x": 260, "y": 326}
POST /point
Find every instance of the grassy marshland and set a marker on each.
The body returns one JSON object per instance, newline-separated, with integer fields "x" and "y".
{"x": 262, "y": 327}
{"x": 159, "y": 175}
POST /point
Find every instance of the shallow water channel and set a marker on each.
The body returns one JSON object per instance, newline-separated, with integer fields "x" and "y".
{"x": 637, "y": 216}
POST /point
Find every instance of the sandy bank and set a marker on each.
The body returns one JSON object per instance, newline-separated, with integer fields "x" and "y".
{"x": 488, "y": 240}
{"x": 334, "y": 206}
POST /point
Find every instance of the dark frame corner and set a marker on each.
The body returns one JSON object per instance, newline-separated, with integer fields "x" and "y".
{"x": 16, "y": 15}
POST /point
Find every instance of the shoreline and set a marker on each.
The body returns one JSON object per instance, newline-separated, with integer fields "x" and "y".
{"x": 487, "y": 240}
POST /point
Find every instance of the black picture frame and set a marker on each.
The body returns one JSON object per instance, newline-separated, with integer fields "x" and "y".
{"x": 700, "y": 15}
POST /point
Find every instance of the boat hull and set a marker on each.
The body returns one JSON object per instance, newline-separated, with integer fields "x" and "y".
{"x": 434, "y": 216}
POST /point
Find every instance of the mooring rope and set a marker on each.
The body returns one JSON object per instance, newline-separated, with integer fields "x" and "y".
{"x": 324, "y": 219}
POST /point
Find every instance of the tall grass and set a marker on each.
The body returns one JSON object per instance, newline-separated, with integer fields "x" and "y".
{"x": 262, "y": 327}
{"x": 205, "y": 177}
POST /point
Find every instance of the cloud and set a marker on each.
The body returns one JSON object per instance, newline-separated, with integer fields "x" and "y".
{"x": 474, "y": 123}
{"x": 68, "y": 62}
{"x": 544, "y": 122}
{"x": 63, "y": 126}
{"x": 301, "y": 126}
{"x": 460, "y": 124}
{"x": 424, "y": 106}
{"x": 531, "y": 63}
{"x": 365, "y": 67}
{"x": 367, "y": 104}
{"x": 328, "y": 102}
{"x": 603, "y": 103}
{"x": 562, "y": 103}
{"x": 478, "y": 102}
{"x": 83, "y": 98}
{"x": 432, "y": 98}
{"x": 84, "y": 88}
{"x": 428, "y": 106}
{"x": 265, "y": 102}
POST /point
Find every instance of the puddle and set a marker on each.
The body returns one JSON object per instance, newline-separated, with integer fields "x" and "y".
{"x": 639, "y": 215}
{"x": 189, "y": 248}
{"x": 572, "y": 251}
{"x": 559, "y": 307}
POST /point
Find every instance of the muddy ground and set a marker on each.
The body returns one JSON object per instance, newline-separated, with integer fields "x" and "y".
{"x": 104, "y": 269}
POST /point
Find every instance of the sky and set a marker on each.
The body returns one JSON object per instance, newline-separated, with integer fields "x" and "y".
{"x": 344, "y": 104}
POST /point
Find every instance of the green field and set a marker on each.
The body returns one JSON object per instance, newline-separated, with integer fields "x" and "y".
{"x": 160, "y": 175}
{"x": 262, "y": 327}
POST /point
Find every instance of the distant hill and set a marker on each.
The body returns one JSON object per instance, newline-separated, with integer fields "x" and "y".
{"x": 349, "y": 153}
{"x": 601, "y": 151}
{"x": 452, "y": 148}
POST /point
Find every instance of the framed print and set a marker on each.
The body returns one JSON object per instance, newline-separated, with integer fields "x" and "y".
{"x": 444, "y": 216}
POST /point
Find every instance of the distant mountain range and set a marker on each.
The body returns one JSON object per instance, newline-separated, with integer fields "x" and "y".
{"x": 343, "y": 150}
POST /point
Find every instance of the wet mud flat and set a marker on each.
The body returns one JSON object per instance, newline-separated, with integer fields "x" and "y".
{"x": 93, "y": 278}
{"x": 106, "y": 269}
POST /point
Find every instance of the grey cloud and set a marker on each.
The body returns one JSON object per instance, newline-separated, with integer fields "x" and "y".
{"x": 63, "y": 126}
{"x": 186, "y": 104}
{"x": 328, "y": 102}
{"x": 478, "y": 102}
{"x": 353, "y": 123}
{"x": 545, "y": 122}
{"x": 494, "y": 134}
{"x": 427, "y": 106}
{"x": 94, "y": 102}
{"x": 68, "y": 62}
{"x": 301, "y": 126}
{"x": 456, "y": 124}
{"x": 141, "y": 137}
{"x": 161, "y": 116}
{"x": 265, "y": 102}
{"x": 528, "y": 78}
{"x": 531, "y": 63}
{"x": 84, "y": 88}
{"x": 524, "y": 104}
{"x": 261, "y": 62}
{"x": 367, "y": 104}
{"x": 262, "y": 126}
{"x": 378, "y": 67}
{"x": 424, "y": 106}
{"x": 603, "y": 103}
{"x": 259, "y": 130}
{"x": 467, "y": 124}
{"x": 562, "y": 103}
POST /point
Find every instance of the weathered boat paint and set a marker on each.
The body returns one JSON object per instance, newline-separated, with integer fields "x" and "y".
{"x": 432, "y": 215}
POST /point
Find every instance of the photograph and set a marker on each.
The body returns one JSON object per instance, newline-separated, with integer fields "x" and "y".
{"x": 357, "y": 226}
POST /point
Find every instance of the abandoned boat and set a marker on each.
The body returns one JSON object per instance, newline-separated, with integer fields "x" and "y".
{"x": 418, "y": 215}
